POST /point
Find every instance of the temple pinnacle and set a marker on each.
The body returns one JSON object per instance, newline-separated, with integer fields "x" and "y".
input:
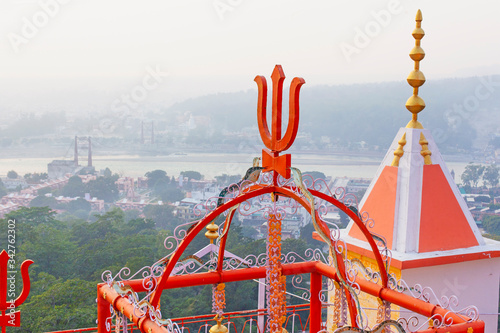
{"x": 415, "y": 104}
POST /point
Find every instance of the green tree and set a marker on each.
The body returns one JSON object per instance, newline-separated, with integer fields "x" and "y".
{"x": 26, "y": 219}
{"x": 249, "y": 232}
{"x": 491, "y": 223}
{"x": 472, "y": 174}
{"x": 225, "y": 180}
{"x": 482, "y": 198}
{"x": 104, "y": 188}
{"x": 306, "y": 234}
{"x": 171, "y": 194}
{"x": 60, "y": 305}
{"x": 162, "y": 215}
{"x": 192, "y": 175}
{"x": 139, "y": 225}
{"x": 107, "y": 172}
{"x": 132, "y": 214}
{"x": 33, "y": 216}
{"x": 490, "y": 236}
{"x": 491, "y": 175}
{"x": 43, "y": 201}
{"x": 12, "y": 174}
{"x": 74, "y": 188}
{"x": 110, "y": 222}
{"x": 78, "y": 204}
{"x": 44, "y": 190}
{"x": 50, "y": 249}
{"x": 156, "y": 176}
{"x": 35, "y": 178}
{"x": 3, "y": 190}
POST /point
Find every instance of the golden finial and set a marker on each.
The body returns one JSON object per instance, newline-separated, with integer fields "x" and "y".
{"x": 415, "y": 104}
{"x": 218, "y": 328}
{"x": 398, "y": 153}
{"x": 426, "y": 153}
{"x": 212, "y": 233}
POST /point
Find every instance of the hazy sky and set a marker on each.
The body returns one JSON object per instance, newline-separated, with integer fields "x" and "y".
{"x": 52, "y": 49}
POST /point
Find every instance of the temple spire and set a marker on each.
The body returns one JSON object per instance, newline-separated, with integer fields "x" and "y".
{"x": 415, "y": 104}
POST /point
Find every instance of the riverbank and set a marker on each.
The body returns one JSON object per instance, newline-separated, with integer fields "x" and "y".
{"x": 213, "y": 164}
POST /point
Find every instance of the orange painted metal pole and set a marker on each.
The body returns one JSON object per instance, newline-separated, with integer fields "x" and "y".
{"x": 392, "y": 296}
{"x": 103, "y": 311}
{"x": 315, "y": 307}
{"x": 199, "y": 279}
{"x": 317, "y": 269}
{"x": 123, "y": 305}
{"x": 476, "y": 326}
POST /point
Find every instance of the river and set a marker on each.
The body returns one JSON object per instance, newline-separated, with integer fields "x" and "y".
{"x": 213, "y": 164}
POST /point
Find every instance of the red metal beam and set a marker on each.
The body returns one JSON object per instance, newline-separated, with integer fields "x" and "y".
{"x": 315, "y": 307}
{"x": 476, "y": 326}
{"x": 392, "y": 296}
{"x": 122, "y": 305}
{"x": 461, "y": 323}
{"x": 103, "y": 311}
{"x": 199, "y": 279}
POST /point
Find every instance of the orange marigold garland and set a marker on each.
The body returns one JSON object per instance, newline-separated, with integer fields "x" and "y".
{"x": 275, "y": 291}
{"x": 218, "y": 298}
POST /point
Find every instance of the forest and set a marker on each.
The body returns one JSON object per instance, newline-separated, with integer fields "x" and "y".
{"x": 71, "y": 256}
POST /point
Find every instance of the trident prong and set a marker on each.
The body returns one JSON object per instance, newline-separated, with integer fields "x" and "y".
{"x": 273, "y": 140}
{"x": 13, "y": 319}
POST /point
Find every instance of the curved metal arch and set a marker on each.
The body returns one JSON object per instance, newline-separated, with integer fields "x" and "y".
{"x": 155, "y": 297}
{"x": 287, "y": 192}
{"x": 253, "y": 192}
{"x": 341, "y": 206}
{"x": 364, "y": 230}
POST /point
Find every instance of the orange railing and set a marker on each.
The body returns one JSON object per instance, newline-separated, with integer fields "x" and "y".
{"x": 295, "y": 323}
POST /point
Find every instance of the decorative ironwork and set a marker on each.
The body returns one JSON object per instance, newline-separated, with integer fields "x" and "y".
{"x": 427, "y": 294}
{"x": 380, "y": 328}
{"x": 383, "y": 311}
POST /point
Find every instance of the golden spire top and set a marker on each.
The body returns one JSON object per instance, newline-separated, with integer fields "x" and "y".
{"x": 415, "y": 104}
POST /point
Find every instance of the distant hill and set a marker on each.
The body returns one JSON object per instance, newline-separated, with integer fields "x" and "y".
{"x": 461, "y": 113}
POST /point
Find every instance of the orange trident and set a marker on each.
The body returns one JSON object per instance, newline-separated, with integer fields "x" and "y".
{"x": 274, "y": 140}
{"x": 8, "y": 315}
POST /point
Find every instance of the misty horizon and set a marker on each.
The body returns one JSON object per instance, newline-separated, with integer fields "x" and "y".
{"x": 60, "y": 53}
